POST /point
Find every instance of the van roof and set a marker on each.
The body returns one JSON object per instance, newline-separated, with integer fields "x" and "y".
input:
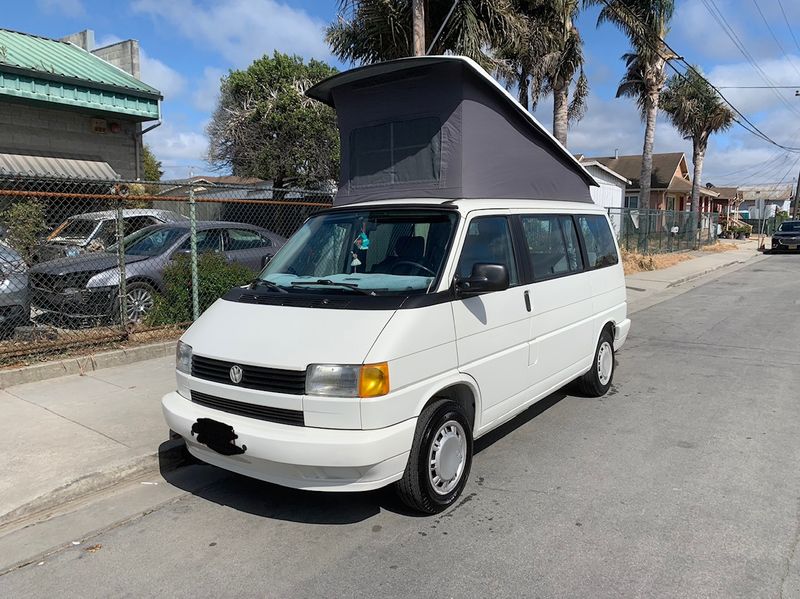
{"x": 469, "y": 205}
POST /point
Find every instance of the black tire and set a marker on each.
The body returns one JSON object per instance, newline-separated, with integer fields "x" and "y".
{"x": 592, "y": 383}
{"x": 416, "y": 488}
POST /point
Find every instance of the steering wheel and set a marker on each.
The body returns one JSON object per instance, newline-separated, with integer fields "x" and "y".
{"x": 411, "y": 263}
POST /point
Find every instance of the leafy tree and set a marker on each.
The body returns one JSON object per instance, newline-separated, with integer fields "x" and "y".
{"x": 264, "y": 126}
{"x": 368, "y": 31}
{"x": 646, "y": 23}
{"x": 547, "y": 57}
{"x": 152, "y": 166}
{"x": 697, "y": 112}
{"x": 26, "y": 223}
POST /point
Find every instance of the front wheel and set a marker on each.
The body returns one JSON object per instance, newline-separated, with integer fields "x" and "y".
{"x": 597, "y": 381}
{"x": 440, "y": 459}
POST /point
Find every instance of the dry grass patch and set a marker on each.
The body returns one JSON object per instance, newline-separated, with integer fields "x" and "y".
{"x": 720, "y": 247}
{"x": 634, "y": 262}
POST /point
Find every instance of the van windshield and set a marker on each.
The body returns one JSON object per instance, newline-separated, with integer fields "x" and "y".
{"x": 379, "y": 251}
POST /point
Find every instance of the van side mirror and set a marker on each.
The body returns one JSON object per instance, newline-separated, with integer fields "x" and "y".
{"x": 485, "y": 277}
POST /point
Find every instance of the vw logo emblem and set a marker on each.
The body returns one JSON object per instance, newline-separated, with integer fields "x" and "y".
{"x": 236, "y": 374}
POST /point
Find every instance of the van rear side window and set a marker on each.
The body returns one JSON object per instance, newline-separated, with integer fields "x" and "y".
{"x": 600, "y": 247}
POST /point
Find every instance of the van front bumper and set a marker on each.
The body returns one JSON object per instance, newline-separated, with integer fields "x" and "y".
{"x": 315, "y": 459}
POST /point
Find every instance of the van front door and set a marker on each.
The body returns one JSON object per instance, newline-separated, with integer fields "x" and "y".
{"x": 492, "y": 328}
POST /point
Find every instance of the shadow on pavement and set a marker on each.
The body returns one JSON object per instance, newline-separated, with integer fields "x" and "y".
{"x": 267, "y": 500}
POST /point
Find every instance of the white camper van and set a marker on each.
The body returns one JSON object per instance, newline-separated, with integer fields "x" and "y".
{"x": 426, "y": 308}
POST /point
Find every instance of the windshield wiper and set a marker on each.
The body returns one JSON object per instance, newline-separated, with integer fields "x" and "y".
{"x": 328, "y": 282}
{"x": 268, "y": 284}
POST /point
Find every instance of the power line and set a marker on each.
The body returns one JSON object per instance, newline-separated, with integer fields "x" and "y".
{"x": 775, "y": 37}
{"x": 758, "y": 87}
{"x": 749, "y": 126}
{"x": 788, "y": 26}
{"x": 728, "y": 29}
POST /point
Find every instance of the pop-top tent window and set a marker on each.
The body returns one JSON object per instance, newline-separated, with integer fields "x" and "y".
{"x": 441, "y": 127}
{"x": 396, "y": 152}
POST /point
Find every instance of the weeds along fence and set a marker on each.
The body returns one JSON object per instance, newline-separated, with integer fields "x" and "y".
{"x": 85, "y": 262}
{"x": 649, "y": 231}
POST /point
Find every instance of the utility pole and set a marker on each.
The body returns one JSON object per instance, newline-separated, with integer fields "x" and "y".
{"x": 418, "y": 27}
{"x": 796, "y": 212}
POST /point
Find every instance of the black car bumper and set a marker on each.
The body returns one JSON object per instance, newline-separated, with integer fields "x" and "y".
{"x": 785, "y": 245}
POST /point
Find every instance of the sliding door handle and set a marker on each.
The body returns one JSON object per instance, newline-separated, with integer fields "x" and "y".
{"x": 527, "y": 296}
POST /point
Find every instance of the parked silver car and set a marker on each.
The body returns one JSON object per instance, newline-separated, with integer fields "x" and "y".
{"x": 87, "y": 286}
{"x": 15, "y": 305}
{"x": 94, "y": 231}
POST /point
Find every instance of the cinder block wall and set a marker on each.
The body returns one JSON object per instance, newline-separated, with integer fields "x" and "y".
{"x": 27, "y": 129}
{"x": 124, "y": 55}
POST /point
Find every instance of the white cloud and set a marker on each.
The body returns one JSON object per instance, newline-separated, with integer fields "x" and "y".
{"x": 207, "y": 89}
{"x": 66, "y": 8}
{"x": 181, "y": 152}
{"x": 781, "y": 71}
{"x": 165, "y": 79}
{"x": 242, "y": 30}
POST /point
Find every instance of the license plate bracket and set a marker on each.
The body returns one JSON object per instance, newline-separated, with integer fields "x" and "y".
{"x": 217, "y": 436}
{"x": 792, "y": 247}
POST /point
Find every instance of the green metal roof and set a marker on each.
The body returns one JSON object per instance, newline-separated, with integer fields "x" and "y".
{"x": 47, "y": 70}
{"x": 49, "y": 57}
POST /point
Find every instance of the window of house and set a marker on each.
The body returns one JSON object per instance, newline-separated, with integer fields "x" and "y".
{"x": 670, "y": 202}
{"x": 600, "y": 248}
{"x": 488, "y": 241}
{"x": 552, "y": 244}
{"x": 397, "y": 152}
{"x": 631, "y": 201}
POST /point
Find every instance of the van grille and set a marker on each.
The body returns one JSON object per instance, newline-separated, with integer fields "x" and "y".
{"x": 279, "y": 415}
{"x": 290, "y": 382}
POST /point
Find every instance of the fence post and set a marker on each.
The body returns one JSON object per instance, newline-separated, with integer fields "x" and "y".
{"x": 193, "y": 255}
{"x": 123, "y": 284}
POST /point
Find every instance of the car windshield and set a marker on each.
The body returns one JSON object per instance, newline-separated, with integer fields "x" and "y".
{"x": 378, "y": 251}
{"x": 150, "y": 242}
{"x": 793, "y": 227}
{"x": 76, "y": 228}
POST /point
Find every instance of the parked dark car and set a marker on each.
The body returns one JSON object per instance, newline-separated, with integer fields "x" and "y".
{"x": 787, "y": 237}
{"x": 15, "y": 305}
{"x": 86, "y": 286}
{"x": 94, "y": 231}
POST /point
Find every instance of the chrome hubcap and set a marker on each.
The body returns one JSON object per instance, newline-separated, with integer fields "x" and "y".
{"x": 605, "y": 362}
{"x": 140, "y": 302}
{"x": 447, "y": 456}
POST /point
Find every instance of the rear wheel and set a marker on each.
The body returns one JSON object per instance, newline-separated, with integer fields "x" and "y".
{"x": 597, "y": 381}
{"x": 440, "y": 459}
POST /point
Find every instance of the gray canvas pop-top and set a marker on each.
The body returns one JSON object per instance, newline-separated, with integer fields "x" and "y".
{"x": 441, "y": 127}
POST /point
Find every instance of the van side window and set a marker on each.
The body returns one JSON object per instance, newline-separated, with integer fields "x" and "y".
{"x": 599, "y": 242}
{"x": 488, "y": 241}
{"x": 552, "y": 245}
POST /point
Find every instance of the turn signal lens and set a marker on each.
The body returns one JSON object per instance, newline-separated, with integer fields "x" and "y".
{"x": 374, "y": 380}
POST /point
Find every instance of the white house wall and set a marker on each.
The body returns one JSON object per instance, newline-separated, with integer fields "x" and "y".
{"x": 610, "y": 194}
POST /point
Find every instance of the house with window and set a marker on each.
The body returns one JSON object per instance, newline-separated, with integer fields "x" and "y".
{"x": 765, "y": 200}
{"x": 670, "y": 183}
{"x": 70, "y": 110}
{"x": 610, "y": 190}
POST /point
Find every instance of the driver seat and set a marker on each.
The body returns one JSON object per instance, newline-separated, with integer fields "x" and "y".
{"x": 408, "y": 248}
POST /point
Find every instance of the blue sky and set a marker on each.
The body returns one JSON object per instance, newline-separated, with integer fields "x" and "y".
{"x": 187, "y": 45}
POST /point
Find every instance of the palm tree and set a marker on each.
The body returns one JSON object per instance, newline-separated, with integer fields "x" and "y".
{"x": 368, "y": 31}
{"x": 547, "y": 57}
{"x": 646, "y": 23}
{"x": 697, "y": 112}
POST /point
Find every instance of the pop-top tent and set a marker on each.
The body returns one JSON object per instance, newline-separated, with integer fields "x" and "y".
{"x": 441, "y": 127}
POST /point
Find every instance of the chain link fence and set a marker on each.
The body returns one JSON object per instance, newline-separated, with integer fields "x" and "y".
{"x": 647, "y": 231}
{"x": 85, "y": 262}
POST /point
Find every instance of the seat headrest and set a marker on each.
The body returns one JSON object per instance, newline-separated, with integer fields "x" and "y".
{"x": 410, "y": 247}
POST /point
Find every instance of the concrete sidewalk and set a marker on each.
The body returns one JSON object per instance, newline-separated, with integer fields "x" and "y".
{"x": 65, "y": 437}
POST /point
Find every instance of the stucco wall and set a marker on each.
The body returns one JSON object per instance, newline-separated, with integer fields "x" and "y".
{"x": 44, "y": 131}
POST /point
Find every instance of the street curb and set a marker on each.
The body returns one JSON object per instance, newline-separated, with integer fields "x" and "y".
{"x": 84, "y": 364}
{"x": 703, "y": 273}
{"x": 170, "y": 456}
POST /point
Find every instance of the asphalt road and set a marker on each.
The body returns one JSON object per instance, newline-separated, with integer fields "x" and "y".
{"x": 682, "y": 482}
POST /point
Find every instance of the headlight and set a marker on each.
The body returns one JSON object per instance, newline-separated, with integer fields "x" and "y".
{"x": 72, "y": 251}
{"x": 183, "y": 358}
{"x": 342, "y": 380}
